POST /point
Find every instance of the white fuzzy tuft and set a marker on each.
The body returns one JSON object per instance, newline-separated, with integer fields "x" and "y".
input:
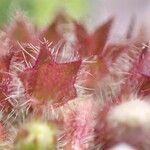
{"x": 122, "y": 146}
{"x": 132, "y": 113}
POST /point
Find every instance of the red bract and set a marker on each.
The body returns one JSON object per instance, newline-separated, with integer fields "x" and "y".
{"x": 86, "y": 44}
{"x": 4, "y": 66}
{"x": 4, "y": 82}
{"x": 54, "y": 32}
{"x": 100, "y": 37}
{"x": 142, "y": 71}
{"x": 21, "y": 30}
{"x": 83, "y": 42}
{"x": 49, "y": 80}
{"x": 94, "y": 43}
{"x": 20, "y": 34}
{"x": 145, "y": 87}
{"x": 144, "y": 62}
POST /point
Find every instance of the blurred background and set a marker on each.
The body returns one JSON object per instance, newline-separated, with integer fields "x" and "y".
{"x": 125, "y": 12}
{"x": 91, "y": 12}
{"x": 41, "y": 12}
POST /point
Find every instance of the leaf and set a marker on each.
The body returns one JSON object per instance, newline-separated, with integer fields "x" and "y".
{"x": 49, "y": 80}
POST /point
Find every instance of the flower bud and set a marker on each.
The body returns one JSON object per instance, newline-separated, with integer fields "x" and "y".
{"x": 36, "y": 136}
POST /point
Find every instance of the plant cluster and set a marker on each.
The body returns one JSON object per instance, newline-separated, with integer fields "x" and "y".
{"x": 62, "y": 87}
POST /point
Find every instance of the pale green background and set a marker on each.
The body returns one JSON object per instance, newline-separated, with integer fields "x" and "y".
{"x": 42, "y": 12}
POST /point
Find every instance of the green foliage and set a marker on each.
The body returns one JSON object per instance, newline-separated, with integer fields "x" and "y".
{"x": 4, "y": 10}
{"x": 42, "y": 11}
